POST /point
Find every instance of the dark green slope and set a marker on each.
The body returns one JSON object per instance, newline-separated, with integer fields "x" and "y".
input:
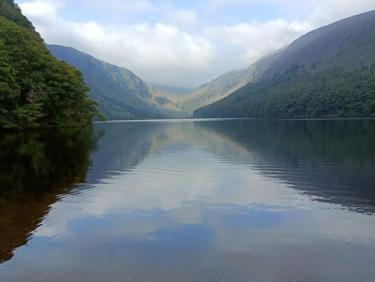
{"x": 348, "y": 43}
{"x": 119, "y": 93}
{"x": 300, "y": 94}
{"x": 13, "y": 13}
{"x": 326, "y": 73}
{"x": 36, "y": 90}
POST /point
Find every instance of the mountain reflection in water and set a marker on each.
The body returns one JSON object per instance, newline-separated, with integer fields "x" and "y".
{"x": 231, "y": 200}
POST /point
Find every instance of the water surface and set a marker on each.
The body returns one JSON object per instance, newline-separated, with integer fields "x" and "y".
{"x": 229, "y": 200}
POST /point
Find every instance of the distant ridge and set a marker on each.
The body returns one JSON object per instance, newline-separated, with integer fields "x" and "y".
{"x": 328, "y": 72}
{"x": 119, "y": 93}
{"x": 317, "y": 48}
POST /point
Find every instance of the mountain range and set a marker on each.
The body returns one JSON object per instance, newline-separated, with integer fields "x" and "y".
{"x": 334, "y": 51}
{"x": 328, "y": 72}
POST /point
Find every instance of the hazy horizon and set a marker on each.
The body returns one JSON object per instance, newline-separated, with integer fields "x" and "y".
{"x": 179, "y": 44}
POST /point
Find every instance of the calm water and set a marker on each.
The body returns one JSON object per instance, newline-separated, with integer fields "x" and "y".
{"x": 239, "y": 200}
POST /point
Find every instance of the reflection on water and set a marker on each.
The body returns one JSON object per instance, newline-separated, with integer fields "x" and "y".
{"x": 332, "y": 160}
{"x": 35, "y": 168}
{"x": 234, "y": 200}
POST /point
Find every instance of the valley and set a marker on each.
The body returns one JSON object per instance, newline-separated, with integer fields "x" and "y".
{"x": 331, "y": 51}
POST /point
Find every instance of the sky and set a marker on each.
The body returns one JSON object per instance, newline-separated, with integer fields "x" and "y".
{"x": 182, "y": 43}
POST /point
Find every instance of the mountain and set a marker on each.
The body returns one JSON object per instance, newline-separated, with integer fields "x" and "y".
{"x": 223, "y": 86}
{"x": 36, "y": 90}
{"x": 119, "y": 93}
{"x": 328, "y": 72}
{"x": 173, "y": 91}
{"x": 212, "y": 91}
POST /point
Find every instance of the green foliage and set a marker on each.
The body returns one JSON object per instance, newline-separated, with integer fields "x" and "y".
{"x": 296, "y": 93}
{"x": 36, "y": 90}
{"x": 12, "y": 12}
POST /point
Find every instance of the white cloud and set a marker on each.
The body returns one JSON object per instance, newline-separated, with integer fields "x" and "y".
{"x": 254, "y": 40}
{"x": 181, "y": 46}
{"x": 40, "y": 8}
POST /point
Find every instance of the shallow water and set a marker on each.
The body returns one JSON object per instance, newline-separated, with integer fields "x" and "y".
{"x": 218, "y": 200}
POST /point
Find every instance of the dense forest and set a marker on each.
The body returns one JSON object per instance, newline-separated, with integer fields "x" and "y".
{"x": 36, "y": 90}
{"x": 298, "y": 93}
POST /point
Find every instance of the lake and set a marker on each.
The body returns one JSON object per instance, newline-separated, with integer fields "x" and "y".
{"x": 214, "y": 200}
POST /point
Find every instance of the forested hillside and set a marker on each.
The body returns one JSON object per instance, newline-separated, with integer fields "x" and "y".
{"x": 327, "y": 72}
{"x": 300, "y": 94}
{"x": 36, "y": 90}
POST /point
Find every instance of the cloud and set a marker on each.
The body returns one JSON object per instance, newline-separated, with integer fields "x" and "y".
{"x": 159, "y": 52}
{"x": 170, "y": 44}
{"x": 40, "y": 8}
{"x": 254, "y": 40}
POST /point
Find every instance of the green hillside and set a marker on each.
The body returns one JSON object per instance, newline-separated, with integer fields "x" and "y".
{"x": 36, "y": 90}
{"x": 120, "y": 93}
{"x": 327, "y": 72}
{"x": 300, "y": 94}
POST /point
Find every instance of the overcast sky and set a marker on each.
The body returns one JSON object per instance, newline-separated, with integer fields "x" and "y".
{"x": 179, "y": 42}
